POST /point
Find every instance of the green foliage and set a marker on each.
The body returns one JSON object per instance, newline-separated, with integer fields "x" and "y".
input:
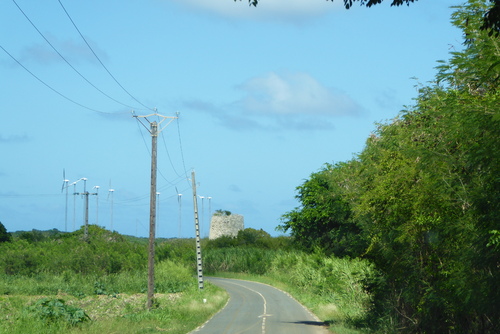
{"x": 324, "y": 219}
{"x": 104, "y": 252}
{"x": 125, "y": 313}
{"x": 237, "y": 259}
{"x": 220, "y": 212}
{"x": 476, "y": 69}
{"x": 33, "y": 236}
{"x": 426, "y": 186}
{"x": 422, "y": 198}
{"x": 114, "y": 300}
{"x": 4, "y": 235}
{"x": 180, "y": 250}
{"x": 494, "y": 239}
{"x": 339, "y": 285}
{"x": 171, "y": 277}
{"x": 250, "y": 237}
{"x": 224, "y": 241}
{"x": 54, "y": 310}
{"x": 37, "y": 235}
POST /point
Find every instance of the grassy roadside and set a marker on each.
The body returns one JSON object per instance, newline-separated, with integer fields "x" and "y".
{"x": 75, "y": 303}
{"x": 122, "y": 313}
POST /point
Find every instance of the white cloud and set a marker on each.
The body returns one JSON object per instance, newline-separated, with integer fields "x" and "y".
{"x": 287, "y": 10}
{"x": 278, "y": 101}
{"x": 294, "y": 94}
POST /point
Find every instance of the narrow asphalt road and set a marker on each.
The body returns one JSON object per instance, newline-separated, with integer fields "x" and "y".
{"x": 256, "y": 308}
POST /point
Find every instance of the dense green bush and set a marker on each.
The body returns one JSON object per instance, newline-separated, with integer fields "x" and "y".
{"x": 251, "y": 237}
{"x": 172, "y": 276}
{"x": 237, "y": 259}
{"x": 104, "y": 252}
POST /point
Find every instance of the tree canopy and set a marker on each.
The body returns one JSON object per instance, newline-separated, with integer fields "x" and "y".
{"x": 421, "y": 199}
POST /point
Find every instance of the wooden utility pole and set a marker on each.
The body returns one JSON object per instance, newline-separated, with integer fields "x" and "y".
{"x": 154, "y": 131}
{"x": 86, "y": 194}
{"x": 152, "y": 216}
{"x": 197, "y": 229}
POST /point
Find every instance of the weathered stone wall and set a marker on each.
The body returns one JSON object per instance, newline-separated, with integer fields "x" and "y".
{"x": 225, "y": 225}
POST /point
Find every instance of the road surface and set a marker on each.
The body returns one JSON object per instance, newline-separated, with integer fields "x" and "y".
{"x": 256, "y": 308}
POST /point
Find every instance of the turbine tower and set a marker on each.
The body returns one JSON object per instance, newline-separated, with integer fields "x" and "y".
{"x": 110, "y": 193}
{"x": 65, "y": 186}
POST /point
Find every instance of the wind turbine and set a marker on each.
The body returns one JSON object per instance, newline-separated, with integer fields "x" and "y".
{"x": 96, "y": 204}
{"x": 110, "y": 192}
{"x": 65, "y": 186}
{"x": 74, "y": 199}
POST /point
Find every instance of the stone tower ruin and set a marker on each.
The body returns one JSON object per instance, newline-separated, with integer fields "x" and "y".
{"x": 224, "y": 223}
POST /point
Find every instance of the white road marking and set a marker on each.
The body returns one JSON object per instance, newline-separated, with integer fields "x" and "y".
{"x": 264, "y": 315}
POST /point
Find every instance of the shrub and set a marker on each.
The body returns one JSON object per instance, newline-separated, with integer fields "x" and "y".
{"x": 55, "y": 310}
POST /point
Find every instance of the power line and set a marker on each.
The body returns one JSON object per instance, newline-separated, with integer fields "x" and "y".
{"x": 50, "y": 87}
{"x": 168, "y": 155}
{"x": 65, "y": 60}
{"x": 182, "y": 151}
{"x": 102, "y": 64}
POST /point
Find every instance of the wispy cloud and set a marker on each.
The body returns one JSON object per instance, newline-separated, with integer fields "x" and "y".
{"x": 13, "y": 139}
{"x": 282, "y": 100}
{"x": 234, "y": 188}
{"x": 282, "y": 10}
{"x": 72, "y": 51}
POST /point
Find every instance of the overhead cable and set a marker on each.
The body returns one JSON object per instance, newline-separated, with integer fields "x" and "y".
{"x": 98, "y": 59}
{"x": 50, "y": 87}
{"x": 182, "y": 151}
{"x": 65, "y": 60}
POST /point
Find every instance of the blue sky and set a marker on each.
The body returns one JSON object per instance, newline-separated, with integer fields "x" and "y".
{"x": 265, "y": 97}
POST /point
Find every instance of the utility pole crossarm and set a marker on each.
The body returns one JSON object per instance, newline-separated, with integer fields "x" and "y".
{"x": 163, "y": 119}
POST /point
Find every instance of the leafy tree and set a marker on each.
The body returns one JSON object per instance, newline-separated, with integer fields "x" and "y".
{"x": 4, "y": 235}
{"x": 252, "y": 237}
{"x": 32, "y": 236}
{"x": 476, "y": 69}
{"x": 324, "y": 218}
{"x": 424, "y": 194}
{"x": 426, "y": 186}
